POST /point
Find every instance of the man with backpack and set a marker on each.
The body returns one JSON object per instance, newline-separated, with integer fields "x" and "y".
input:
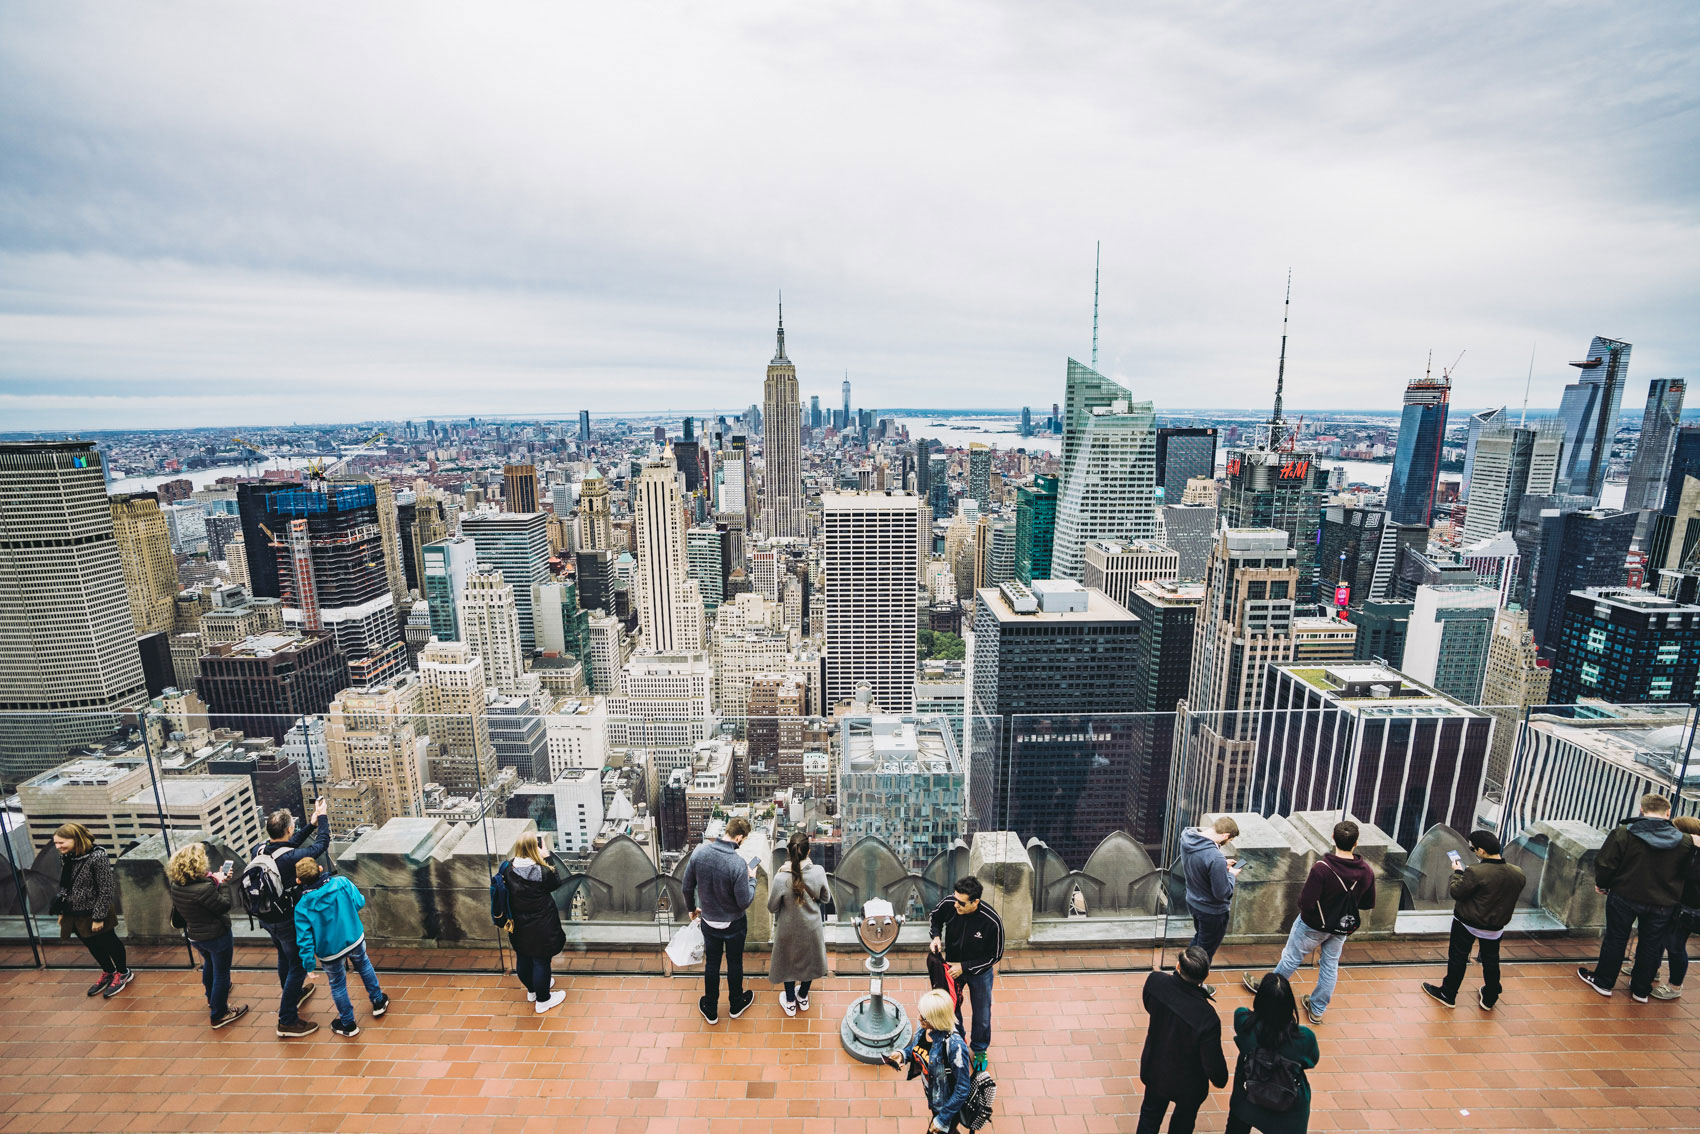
{"x": 270, "y": 890}
{"x": 1340, "y": 885}
{"x": 1183, "y": 1045}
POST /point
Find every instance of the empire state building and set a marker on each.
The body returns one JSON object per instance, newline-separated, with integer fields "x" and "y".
{"x": 782, "y": 512}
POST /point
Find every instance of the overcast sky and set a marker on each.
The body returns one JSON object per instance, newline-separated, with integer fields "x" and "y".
{"x": 235, "y": 214}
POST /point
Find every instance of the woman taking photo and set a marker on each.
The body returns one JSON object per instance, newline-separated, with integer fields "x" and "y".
{"x": 1271, "y": 1092}
{"x": 536, "y": 930}
{"x": 87, "y": 893}
{"x": 200, "y": 906}
{"x": 799, "y": 942}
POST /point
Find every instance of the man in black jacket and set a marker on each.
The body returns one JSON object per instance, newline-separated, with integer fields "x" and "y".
{"x": 1486, "y": 895}
{"x": 1642, "y": 867}
{"x": 287, "y": 848}
{"x": 1183, "y": 1045}
{"x": 968, "y": 934}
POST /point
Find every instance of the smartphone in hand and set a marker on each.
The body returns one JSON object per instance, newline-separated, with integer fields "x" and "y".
{"x": 1457, "y": 859}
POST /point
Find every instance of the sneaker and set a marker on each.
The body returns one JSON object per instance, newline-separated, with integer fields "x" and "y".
{"x": 1251, "y": 980}
{"x": 979, "y": 1063}
{"x": 787, "y": 1005}
{"x": 346, "y": 1031}
{"x": 532, "y": 996}
{"x": 296, "y": 1030}
{"x": 119, "y": 982}
{"x": 803, "y": 1002}
{"x": 99, "y": 986}
{"x": 1481, "y": 998}
{"x": 744, "y": 1006}
{"x": 556, "y": 999}
{"x": 1311, "y": 1013}
{"x": 1587, "y": 976}
{"x": 231, "y": 1016}
{"x": 1667, "y": 992}
{"x": 1209, "y": 990}
{"x": 712, "y": 1015}
{"x": 306, "y": 994}
{"x": 381, "y": 1006}
{"x": 1438, "y": 993}
{"x": 1638, "y": 997}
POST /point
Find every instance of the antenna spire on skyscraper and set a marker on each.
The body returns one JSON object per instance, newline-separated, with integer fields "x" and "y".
{"x": 779, "y": 355}
{"x": 1281, "y": 368}
{"x": 1097, "y": 259}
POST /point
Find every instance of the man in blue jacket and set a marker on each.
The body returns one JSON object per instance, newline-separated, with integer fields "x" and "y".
{"x": 328, "y": 932}
{"x": 1210, "y": 879}
{"x": 286, "y": 847}
{"x": 726, "y": 883}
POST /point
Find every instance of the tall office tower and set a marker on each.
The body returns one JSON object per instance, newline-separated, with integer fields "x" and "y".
{"x": 1191, "y": 530}
{"x": 451, "y": 677}
{"x": 1109, "y": 489}
{"x": 874, "y": 545}
{"x": 664, "y": 706}
{"x": 1162, "y": 665}
{"x": 1182, "y": 454}
{"x": 584, "y": 427}
{"x": 519, "y": 489}
{"x": 1577, "y": 550}
{"x": 687, "y": 454}
{"x": 432, "y": 521}
{"x": 1382, "y": 627}
{"x": 236, "y": 560}
{"x": 374, "y": 736}
{"x": 1416, "y": 461}
{"x": 261, "y": 685}
{"x": 489, "y": 623}
{"x": 1486, "y": 421}
{"x": 1668, "y": 545}
{"x": 901, "y": 780}
{"x": 1086, "y": 390}
{"x": 389, "y": 539}
{"x": 1026, "y": 421}
{"x": 331, "y": 566}
{"x": 1116, "y": 568}
{"x": 596, "y": 580}
{"x": 1446, "y": 645}
{"x": 1053, "y": 760}
{"x": 595, "y": 518}
{"x": 782, "y": 447}
{"x": 186, "y": 526}
{"x": 516, "y": 545}
{"x": 670, "y": 607}
{"x": 923, "y": 468}
{"x": 980, "y": 475}
{"x": 846, "y": 402}
{"x": 449, "y": 563}
{"x": 778, "y": 703}
{"x": 1659, "y": 422}
{"x": 705, "y": 555}
{"x": 1349, "y": 544}
{"x": 1627, "y": 647}
{"x": 1035, "y": 528}
{"x": 257, "y": 540}
{"x": 741, "y": 655}
{"x": 765, "y": 569}
{"x": 144, "y": 553}
{"x": 563, "y": 627}
{"x": 407, "y": 529}
{"x": 520, "y": 736}
{"x": 1589, "y": 411}
{"x": 1245, "y": 625}
{"x": 814, "y": 411}
{"x": 68, "y": 657}
{"x": 607, "y": 655}
{"x": 994, "y": 551}
{"x": 1271, "y": 488}
{"x": 938, "y": 488}
{"x": 1510, "y": 464}
{"x": 223, "y": 531}
{"x": 1496, "y": 562}
{"x": 1516, "y": 678}
{"x": 1390, "y": 750}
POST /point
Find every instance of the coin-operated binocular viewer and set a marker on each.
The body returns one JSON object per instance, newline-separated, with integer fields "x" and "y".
{"x": 875, "y": 1026}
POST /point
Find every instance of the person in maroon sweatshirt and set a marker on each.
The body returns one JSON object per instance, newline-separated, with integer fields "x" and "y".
{"x": 1339, "y": 886}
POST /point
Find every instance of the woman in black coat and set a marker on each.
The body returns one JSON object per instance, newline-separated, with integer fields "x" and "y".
{"x": 87, "y": 906}
{"x": 535, "y": 925}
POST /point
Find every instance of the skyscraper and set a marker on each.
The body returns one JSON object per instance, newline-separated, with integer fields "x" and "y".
{"x": 1627, "y": 647}
{"x": 1350, "y": 542}
{"x": 782, "y": 446}
{"x": 923, "y": 467}
{"x": 1191, "y": 530}
{"x": 1416, "y": 461}
{"x": 516, "y": 545}
{"x": 257, "y": 542}
{"x": 846, "y": 401}
{"x": 994, "y": 551}
{"x": 451, "y": 676}
{"x": 1116, "y": 568}
{"x": 584, "y": 426}
{"x": 814, "y": 411}
{"x": 1162, "y": 666}
{"x": 1085, "y": 391}
{"x": 1659, "y": 422}
{"x": 261, "y": 685}
{"x": 938, "y": 488}
{"x": 874, "y": 544}
{"x": 1510, "y": 464}
{"x": 374, "y": 736}
{"x": 1577, "y": 550}
{"x": 144, "y": 551}
{"x": 1183, "y": 453}
{"x": 519, "y": 488}
{"x": 1515, "y": 679}
{"x": 1026, "y": 421}
{"x": 448, "y": 564}
{"x": 980, "y": 475}
{"x": 670, "y": 608}
{"x": 1035, "y": 528}
{"x": 1446, "y": 645}
{"x": 1479, "y": 422}
{"x": 68, "y": 657}
{"x": 1108, "y": 489}
{"x": 490, "y": 625}
{"x": 705, "y": 555}
{"x": 1589, "y": 411}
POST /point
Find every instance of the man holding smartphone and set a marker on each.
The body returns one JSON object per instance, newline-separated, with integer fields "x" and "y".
{"x": 1486, "y": 895}
{"x": 726, "y": 883}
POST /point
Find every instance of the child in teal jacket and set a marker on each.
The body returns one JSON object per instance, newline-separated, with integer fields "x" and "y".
{"x": 328, "y": 932}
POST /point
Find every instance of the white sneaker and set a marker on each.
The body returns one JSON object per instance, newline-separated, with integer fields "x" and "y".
{"x": 532, "y": 996}
{"x": 787, "y": 1005}
{"x": 555, "y": 999}
{"x": 802, "y": 1003}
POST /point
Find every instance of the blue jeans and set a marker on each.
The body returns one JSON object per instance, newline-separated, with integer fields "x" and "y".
{"x": 730, "y": 942}
{"x": 215, "y": 972}
{"x": 336, "y": 974}
{"x": 978, "y": 988}
{"x": 290, "y": 974}
{"x": 1622, "y": 916}
{"x": 534, "y": 974}
{"x": 1208, "y": 929}
{"x": 1301, "y": 939}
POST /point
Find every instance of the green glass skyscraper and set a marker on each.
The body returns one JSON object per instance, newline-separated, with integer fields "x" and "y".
{"x": 1035, "y": 528}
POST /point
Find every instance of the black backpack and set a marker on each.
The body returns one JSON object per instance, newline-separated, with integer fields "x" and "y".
{"x": 263, "y": 891}
{"x": 1270, "y": 1080}
{"x": 1338, "y": 908}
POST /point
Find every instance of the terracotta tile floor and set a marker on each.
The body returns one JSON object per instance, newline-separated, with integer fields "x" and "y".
{"x": 464, "y": 1053}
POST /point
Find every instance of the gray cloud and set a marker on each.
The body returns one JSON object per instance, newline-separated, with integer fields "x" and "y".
{"x": 231, "y": 214}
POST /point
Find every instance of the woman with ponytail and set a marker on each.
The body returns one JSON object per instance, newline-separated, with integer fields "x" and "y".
{"x": 799, "y": 943}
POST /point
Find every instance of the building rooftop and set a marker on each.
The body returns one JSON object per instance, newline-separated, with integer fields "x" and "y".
{"x": 1650, "y": 741}
{"x": 1099, "y": 607}
{"x": 899, "y": 745}
{"x": 186, "y": 791}
{"x": 1375, "y": 688}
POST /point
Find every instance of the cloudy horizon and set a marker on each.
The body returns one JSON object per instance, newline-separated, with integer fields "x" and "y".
{"x": 220, "y": 214}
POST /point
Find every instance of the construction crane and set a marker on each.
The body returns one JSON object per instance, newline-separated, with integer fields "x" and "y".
{"x": 319, "y": 470}
{"x": 1446, "y": 371}
{"x": 253, "y": 448}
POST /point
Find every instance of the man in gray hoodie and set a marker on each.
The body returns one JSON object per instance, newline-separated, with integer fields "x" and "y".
{"x": 1209, "y": 881}
{"x": 1642, "y": 869}
{"x": 726, "y": 884}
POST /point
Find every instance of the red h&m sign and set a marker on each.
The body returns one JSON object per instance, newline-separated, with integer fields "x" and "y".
{"x": 1295, "y": 470}
{"x": 1233, "y": 466}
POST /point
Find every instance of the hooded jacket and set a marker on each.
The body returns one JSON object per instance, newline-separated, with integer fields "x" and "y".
{"x": 327, "y": 921}
{"x": 537, "y": 928}
{"x": 1645, "y": 860}
{"x": 1209, "y": 886}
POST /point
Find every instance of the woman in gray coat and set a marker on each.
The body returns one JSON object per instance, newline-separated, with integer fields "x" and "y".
{"x": 799, "y": 943}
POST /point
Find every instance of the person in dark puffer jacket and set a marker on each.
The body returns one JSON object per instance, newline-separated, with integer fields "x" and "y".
{"x": 86, "y": 905}
{"x": 1486, "y": 895}
{"x": 200, "y": 907}
{"x": 536, "y": 933}
{"x": 1643, "y": 869}
{"x": 1687, "y": 916}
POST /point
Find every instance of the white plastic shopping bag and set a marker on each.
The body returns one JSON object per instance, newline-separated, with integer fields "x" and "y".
{"x": 686, "y": 948}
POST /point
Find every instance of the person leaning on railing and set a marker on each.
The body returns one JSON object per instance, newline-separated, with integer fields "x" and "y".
{"x": 200, "y": 907}
{"x": 84, "y": 903}
{"x": 1643, "y": 868}
{"x": 1687, "y": 917}
{"x": 536, "y": 931}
